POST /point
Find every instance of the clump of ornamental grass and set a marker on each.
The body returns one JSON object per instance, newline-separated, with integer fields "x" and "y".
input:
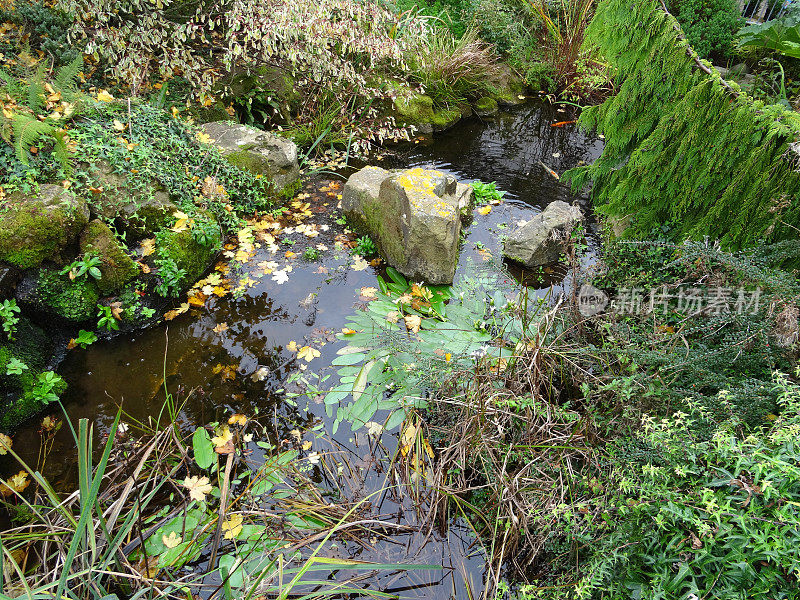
{"x": 452, "y": 70}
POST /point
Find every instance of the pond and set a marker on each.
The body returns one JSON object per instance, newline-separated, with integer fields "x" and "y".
{"x": 231, "y": 354}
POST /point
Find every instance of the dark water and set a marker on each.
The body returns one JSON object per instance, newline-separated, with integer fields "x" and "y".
{"x": 247, "y": 333}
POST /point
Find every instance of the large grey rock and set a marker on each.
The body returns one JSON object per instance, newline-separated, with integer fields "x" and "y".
{"x": 260, "y": 152}
{"x": 542, "y": 239}
{"x": 465, "y": 199}
{"x": 37, "y": 227}
{"x": 413, "y": 218}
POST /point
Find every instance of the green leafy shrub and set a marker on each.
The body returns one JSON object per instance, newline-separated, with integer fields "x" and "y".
{"x": 709, "y": 25}
{"x": 365, "y": 246}
{"x": 486, "y": 192}
{"x": 46, "y": 27}
{"x": 9, "y": 315}
{"x": 703, "y": 517}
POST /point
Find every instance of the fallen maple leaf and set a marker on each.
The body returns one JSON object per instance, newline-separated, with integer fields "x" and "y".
{"x": 359, "y": 264}
{"x": 308, "y": 353}
{"x": 485, "y": 210}
{"x": 232, "y": 526}
{"x": 223, "y": 436}
{"x": 5, "y": 443}
{"x": 292, "y": 346}
{"x": 171, "y": 540}
{"x": 220, "y": 327}
{"x": 237, "y": 419}
{"x": 280, "y": 277}
{"x": 198, "y": 487}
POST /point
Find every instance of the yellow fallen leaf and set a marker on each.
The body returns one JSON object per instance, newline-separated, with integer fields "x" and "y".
{"x": 223, "y": 436}
{"x": 359, "y": 264}
{"x": 308, "y": 353}
{"x": 485, "y": 210}
{"x": 237, "y": 419}
{"x": 148, "y": 246}
{"x": 198, "y": 487}
{"x": 104, "y": 96}
{"x": 220, "y": 327}
{"x": 119, "y": 125}
{"x": 292, "y": 346}
{"x": 232, "y": 526}
{"x": 306, "y": 445}
{"x": 348, "y": 331}
{"x": 16, "y": 483}
{"x": 203, "y": 137}
{"x": 171, "y": 540}
{"x": 5, "y": 443}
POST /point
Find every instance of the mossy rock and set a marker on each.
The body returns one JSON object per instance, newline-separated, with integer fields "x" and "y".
{"x": 445, "y": 118}
{"x": 189, "y": 254}
{"x": 51, "y": 294}
{"x": 32, "y": 346}
{"x": 486, "y": 106}
{"x": 21, "y": 407}
{"x": 34, "y": 228}
{"x": 507, "y": 87}
{"x": 139, "y": 209}
{"x": 117, "y": 267}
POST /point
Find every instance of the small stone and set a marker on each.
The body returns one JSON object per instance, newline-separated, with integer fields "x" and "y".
{"x": 541, "y": 240}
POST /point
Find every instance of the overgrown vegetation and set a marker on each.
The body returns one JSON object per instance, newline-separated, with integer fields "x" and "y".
{"x": 698, "y": 153}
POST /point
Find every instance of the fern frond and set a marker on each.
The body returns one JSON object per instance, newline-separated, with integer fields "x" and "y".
{"x": 27, "y": 131}
{"x": 66, "y": 80}
{"x": 36, "y": 91}
{"x": 61, "y": 152}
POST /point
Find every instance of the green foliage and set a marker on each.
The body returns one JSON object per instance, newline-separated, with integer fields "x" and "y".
{"x": 452, "y": 70}
{"x": 709, "y": 25}
{"x": 453, "y": 14}
{"x": 311, "y": 254}
{"x": 778, "y": 35}
{"x": 107, "y": 319}
{"x": 73, "y": 301}
{"x": 48, "y": 387}
{"x": 386, "y": 368}
{"x": 365, "y": 246}
{"x": 171, "y": 278}
{"x": 8, "y": 315}
{"x": 85, "y": 267}
{"x": 85, "y": 338}
{"x": 701, "y": 516}
{"x": 15, "y": 366}
{"x": 167, "y": 151}
{"x": 486, "y": 192}
{"x": 46, "y": 27}
{"x": 681, "y": 146}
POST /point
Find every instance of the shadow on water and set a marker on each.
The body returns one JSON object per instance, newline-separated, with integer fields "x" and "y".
{"x": 216, "y": 352}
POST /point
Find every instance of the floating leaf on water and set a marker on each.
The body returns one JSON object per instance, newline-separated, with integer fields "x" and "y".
{"x": 199, "y": 487}
{"x": 232, "y": 526}
{"x": 203, "y": 448}
{"x": 5, "y": 443}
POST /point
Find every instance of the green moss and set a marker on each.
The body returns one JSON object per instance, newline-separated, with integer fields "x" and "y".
{"x": 117, "y": 267}
{"x": 413, "y": 108}
{"x": 486, "y": 106}
{"x": 445, "y": 118}
{"x": 189, "y": 254}
{"x": 55, "y": 294}
{"x": 36, "y": 228}
{"x": 26, "y": 405}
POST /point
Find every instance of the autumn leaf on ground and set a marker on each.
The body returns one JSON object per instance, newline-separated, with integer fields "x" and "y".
{"x": 485, "y": 210}
{"x": 321, "y": 270}
{"x": 5, "y": 443}
{"x": 359, "y": 264}
{"x": 104, "y": 96}
{"x": 404, "y": 299}
{"x": 393, "y": 316}
{"x": 306, "y": 445}
{"x": 313, "y": 458}
{"x": 171, "y": 540}
{"x": 348, "y": 331}
{"x": 292, "y": 346}
{"x": 232, "y": 526}
{"x": 280, "y": 277}
{"x": 223, "y": 436}
{"x": 203, "y": 137}
{"x": 220, "y": 327}
{"x": 198, "y": 487}
{"x": 116, "y": 310}
{"x": 308, "y": 353}
{"x": 182, "y": 223}
{"x": 413, "y": 323}
{"x": 119, "y": 125}
{"x": 408, "y": 438}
